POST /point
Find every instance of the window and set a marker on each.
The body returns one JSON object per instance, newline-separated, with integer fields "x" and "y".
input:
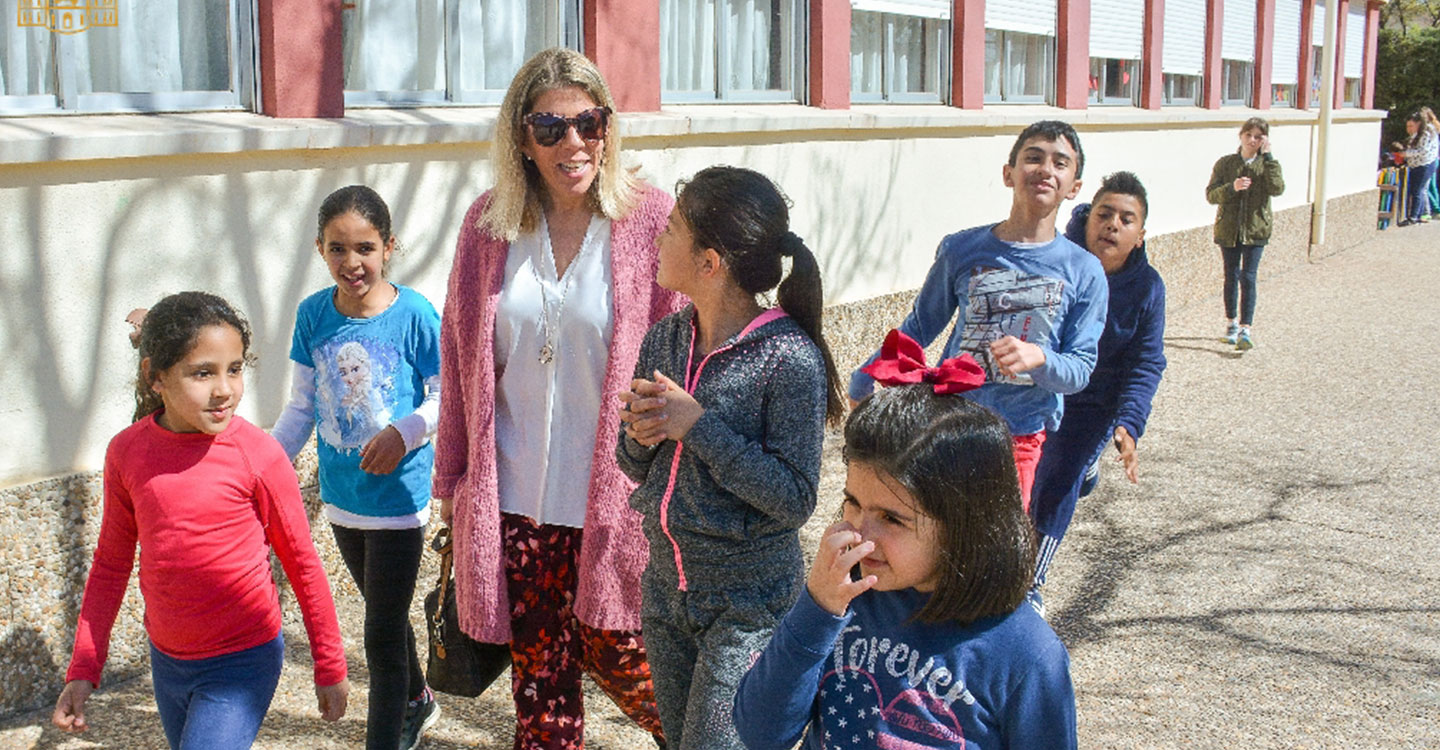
{"x": 1018, "y": 67}
{"x": 1114, "y": 81}
{"x": 132, "y": 56}
{"x": 1316, "y": 72}
{"x": 438, "y": 51}
{"x": 731, "y": 50}
{"x": 1237, "y": 52}
{"x": 1354, "y": 54}
{"x": 1237, "y": 77}
{"x": 1285, "y": 67}
{"x": 1182, "y": 90}
{"x": 1183, "y": 54}
{"x": 1020, "y": 50}
{"x": 1117, "y": 40}
{"x": 899, "y": 57}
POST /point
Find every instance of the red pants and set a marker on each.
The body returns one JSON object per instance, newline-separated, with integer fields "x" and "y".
{"x": 551, "y": 648}
{"x": 1027, "y": 456}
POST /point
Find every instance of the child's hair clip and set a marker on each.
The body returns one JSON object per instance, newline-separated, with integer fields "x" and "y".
{"x": 902, "y": 362}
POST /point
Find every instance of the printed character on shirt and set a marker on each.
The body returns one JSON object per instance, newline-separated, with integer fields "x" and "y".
{"x": 1031, "y": 303}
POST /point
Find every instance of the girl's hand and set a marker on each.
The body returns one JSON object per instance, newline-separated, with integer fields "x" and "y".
{"x": 1126, "y": 445}
{"x": 644, "y": 412}
{"x": 383, "y": 453}
{"x": 1241, "y": 183}
{"x": 70, "y": 709}
{"x": 447, "y": 510}
{"x": 682, "y": 411}
{"x": 332, "y": 699}
{"x": 136, "y": 318}
{"x": 1014, "y": 356}
{"x": 830, "y": 584}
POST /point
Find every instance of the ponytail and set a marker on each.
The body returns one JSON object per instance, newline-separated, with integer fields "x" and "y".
{"x": 744, "y": 217}
{"x": 801, "y": 296}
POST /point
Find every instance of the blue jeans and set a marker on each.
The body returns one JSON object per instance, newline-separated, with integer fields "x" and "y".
{"x": 1419, "y": 190}
{"x": 1241, "y": 263}
{"x": 216, "y": 703}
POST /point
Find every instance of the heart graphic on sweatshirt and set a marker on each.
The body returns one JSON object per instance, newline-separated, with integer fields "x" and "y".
{"x": 854, "y": 714}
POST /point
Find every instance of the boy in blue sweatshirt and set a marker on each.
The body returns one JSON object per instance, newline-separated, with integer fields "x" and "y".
{"x": 1032, "y": 303}
{"x": 1116, "y": 404}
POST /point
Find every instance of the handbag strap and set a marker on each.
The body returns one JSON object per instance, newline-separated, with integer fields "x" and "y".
{"x": 443, "y": 544}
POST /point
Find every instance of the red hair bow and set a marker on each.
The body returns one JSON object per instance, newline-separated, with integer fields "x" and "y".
{"x": 902, "y": 361}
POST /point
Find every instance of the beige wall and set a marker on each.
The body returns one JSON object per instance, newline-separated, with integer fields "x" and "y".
{"x": 226, "y": 203}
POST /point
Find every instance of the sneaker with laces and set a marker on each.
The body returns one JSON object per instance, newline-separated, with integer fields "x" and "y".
{"x": 1232, "y": 333}
{"x": 420, "y": 715}
{"x": 1244, "y": 342}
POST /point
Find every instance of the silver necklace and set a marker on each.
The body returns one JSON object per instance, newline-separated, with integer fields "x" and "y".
{"x": 547, "y": 331}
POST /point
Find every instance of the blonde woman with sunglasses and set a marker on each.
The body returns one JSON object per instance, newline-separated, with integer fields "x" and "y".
{"x": 552, "y": 290}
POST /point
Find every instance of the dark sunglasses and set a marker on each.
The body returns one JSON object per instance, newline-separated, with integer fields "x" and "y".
{"x": 549, "y": 128}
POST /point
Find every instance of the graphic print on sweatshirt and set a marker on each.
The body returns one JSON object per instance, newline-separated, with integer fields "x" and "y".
{"x": 917, "y": 711}
{"x": 1006, "y": 302}
{"x": 354, "y": 390}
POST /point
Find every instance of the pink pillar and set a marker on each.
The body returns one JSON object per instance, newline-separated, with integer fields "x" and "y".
{"x": 1072, "y": 74}
{"x": 1264, "y": 52}
{"x": 623, "y": 38}
{"x": 302, "y": 70}
{"x": 967, "y": 54}
{"x": 830, "y": 54}
{"x": 1152, "y": 80}
{"x": 1307, "y": 63}
{"x": 1372, "y": 37}
{"x": 1342, "y": 7}
{"x": 1214, "y": 17}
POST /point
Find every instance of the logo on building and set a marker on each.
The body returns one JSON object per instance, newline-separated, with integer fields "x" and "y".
{"x": 68, "y": 16}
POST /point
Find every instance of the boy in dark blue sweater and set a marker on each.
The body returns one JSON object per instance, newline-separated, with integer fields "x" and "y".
{"x": 1115, "y": 405}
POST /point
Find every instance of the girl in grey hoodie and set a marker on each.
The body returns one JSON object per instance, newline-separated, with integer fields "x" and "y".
{"x": 723, "y": 428}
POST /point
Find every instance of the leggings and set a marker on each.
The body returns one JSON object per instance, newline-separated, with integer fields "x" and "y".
{"x": 550, "y": 648}
{"x": 384, "y": 564}
{"x": 1241, "y": 263}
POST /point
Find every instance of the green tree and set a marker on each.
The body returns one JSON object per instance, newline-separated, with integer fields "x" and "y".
{"x": 1407, "y": 75}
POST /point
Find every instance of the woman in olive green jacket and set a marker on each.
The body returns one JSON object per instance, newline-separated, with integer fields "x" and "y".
{"x": 1241, "y": 185}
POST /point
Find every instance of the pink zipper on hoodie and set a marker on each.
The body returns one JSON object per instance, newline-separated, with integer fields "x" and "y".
{"x": 691, "y": 383}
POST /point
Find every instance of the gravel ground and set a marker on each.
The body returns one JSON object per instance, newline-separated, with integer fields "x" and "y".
{"x": 1263, "y": 586}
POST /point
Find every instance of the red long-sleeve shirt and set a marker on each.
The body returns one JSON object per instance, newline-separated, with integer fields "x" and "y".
{"x": 206, "y": 511}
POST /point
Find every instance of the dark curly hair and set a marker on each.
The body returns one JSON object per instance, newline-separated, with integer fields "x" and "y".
{"x": 169, "y": 333}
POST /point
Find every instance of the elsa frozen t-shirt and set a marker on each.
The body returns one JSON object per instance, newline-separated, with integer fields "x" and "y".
{"x": 369, "y": 372}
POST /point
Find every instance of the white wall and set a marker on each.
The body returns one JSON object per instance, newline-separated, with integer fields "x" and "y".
{"x": 874, "y": 190}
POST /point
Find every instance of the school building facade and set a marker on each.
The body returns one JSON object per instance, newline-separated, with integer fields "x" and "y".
{"x": 188, "y": 146}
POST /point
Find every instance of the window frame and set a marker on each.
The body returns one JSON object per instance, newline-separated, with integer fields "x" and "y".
{"x": 1168, "y": 98}
{"x": 64, "y": 52}
{"x": 722, "y": 92}
{"x": 1276, "y": 99}
{"x": 1248, "y": 76}
{"x": 1048, "y": 95}
{"x": 1096, "y": 96}
{"x": 453, "y": 42}
{"x": 888, "y": 23}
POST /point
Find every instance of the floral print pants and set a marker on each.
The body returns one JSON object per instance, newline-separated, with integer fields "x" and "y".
{"x": 551, "y": 648}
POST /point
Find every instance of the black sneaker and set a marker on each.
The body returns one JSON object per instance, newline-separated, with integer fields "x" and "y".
{"x": 420, "y": 715}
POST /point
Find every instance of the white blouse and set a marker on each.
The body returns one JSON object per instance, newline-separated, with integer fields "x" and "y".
{"x": 552, "y": 342}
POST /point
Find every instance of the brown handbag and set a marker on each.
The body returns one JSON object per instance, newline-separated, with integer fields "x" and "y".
{"x": 457, "y": 664}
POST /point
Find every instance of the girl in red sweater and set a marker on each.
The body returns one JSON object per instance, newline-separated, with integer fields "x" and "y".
{"x": 207, "y": 496}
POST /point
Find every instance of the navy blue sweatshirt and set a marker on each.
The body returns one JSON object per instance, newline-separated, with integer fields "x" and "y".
{"x": 1132, "y": 348}
{"x": 876, "y": 678}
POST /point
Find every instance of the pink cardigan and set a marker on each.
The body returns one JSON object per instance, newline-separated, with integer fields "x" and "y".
{"x": 613, "y": 550}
